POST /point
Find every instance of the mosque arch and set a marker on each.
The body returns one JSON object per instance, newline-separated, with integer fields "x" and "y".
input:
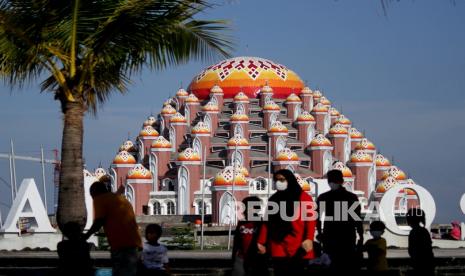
{"x": 310, "y": 134}
{"x": 238, "y": 130}
{"x": 183, "y": 190}
{"x": 113, "y": 177}
{"x": 197, "y": 146}
{"x": 187, "y": 113}
{"x": 130, "y": 195}
{"x": 208, "y": 121}
{"x": 173, "y": 138}
{"x": 280, "y": 144}
{"x": 273, "y": 118}
{"x": 296, "y": 112}
{"x": 240, "y": 108}
{"x": 156, "y": 208}
{"x": 237, "y": 158}
{"x": 227, "y": 209}
{"x": 170, "y": 207}
{"x": 327, "y": 160}
{"x": 154, "y": 171}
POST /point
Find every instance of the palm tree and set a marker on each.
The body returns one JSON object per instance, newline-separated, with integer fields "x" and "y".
{"x": 83, "y": 50}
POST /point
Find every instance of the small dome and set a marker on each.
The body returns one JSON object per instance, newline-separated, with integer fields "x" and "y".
{"x": 293, "y": 98}
{"x": 200, "y": 128}
{"x": 334, "y": 112}
{"x": 188, "y": 155}
{"x": 139, "y": 172}
{"x": 99, "y": 173}
{"x": 277, "y": 126}
{"x": 319, "y": 107}
{"x": 210, "y": 106}
{"x": 382, "y": 161}
{"x": 242, "y": 170}
{"x": 343, "y": 120}
{"x": 320, "y": 141}
{"x": 182, "y": 93}
{"x": 150, "y": 121}
{"x": 346, "y": 172}
{"x": 191, "y": 99}
{"x": 325, "y": 101}
{"x": 239, "y": 117}
{"x": 128, "y": 146}
{"x": 317, "y": 94}
{"x": 303, "y": 183}
{"x": 178, "y": 118}
{"x": 124, "y": 157}
{"x": 148, "y": 131}
{"x": 365, "y": 144}
{"x": 306, "y": 90}
{"x": 410, "y": 191}
{"x": 161, "y": 143}
{"x": 361, "y": 156}
{"x": 238, "y": 140}
{"x": 168, "y": 102}
{"x": 168, "y": 110}
{"x": 241, "y": 96}
{"x": 228, "y": 175}
{"x": 355, "y": 134}
{"x": 266, "y": 89}
{"x": 338, "y": 129}
{"x": 271, "y": 105}
{"x": 395, "y": 172}
{"x": 216, "y": 89}
{"x": 305, "y": 117}
{"x": 287, "y": 154}
{"x": 386, "y": 184}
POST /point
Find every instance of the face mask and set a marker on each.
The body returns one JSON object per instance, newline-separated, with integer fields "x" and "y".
{"x": 334, "y": 186}
{"x": 281, "y": 185}
{"x": 376, "y": 234}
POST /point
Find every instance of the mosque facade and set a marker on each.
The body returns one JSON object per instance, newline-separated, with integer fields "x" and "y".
{"x": 238, "y": 121}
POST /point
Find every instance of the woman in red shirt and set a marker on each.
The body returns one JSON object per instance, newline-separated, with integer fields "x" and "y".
{"x": 288, "y": 234}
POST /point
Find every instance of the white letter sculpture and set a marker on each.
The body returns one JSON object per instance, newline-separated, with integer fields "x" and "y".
{"x": 28, "y": 204}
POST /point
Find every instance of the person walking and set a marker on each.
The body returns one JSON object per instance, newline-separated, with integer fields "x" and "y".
{"x": 342, "y": 220}
{"x": 116, "y": 215}
{"x": 376, "y": 249}
{"x": 420, "y": 244}
{"x": 288, "y": 234}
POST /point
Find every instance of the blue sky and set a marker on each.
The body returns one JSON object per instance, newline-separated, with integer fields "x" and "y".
{"x": 400, "y": 78}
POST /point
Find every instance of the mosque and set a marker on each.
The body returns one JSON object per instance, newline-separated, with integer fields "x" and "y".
{"x": 239, "y": 121}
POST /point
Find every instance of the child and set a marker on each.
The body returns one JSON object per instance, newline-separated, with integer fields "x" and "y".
{"x": 154, "y": 255}
{"x": 245, "y": 255}
{"x": 419, "y": 243}
{"x": 376, "y": 249}
{"x": 74, "y": 252}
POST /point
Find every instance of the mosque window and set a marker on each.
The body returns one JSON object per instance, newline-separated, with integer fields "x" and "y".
{"x": 222, "y": 134}
{"x": 258, "y": 148}
{"x": 304, "y": 164}
{"x": 256, "y": 134}
{"x": 296, "y": 148}
{"x": 284, "y": 112}
{"x": 254, "y": 111}
{"x": 228, "y": 112}
{"x": 170, "y": 209}
{"x": 255, "y": 122}
{"x": 293, "y": 135}
{"x": 260, "y": 184}
{"x": 157, "y": 208}
{"x": 218, "y": 148}
{"x": 216, "y": 164}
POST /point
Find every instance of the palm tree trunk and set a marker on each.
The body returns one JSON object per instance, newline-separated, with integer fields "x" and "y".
{"x": 71, "y": 204}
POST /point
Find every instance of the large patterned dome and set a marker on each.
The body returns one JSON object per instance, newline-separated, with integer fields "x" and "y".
{"x": 246, "y": 74}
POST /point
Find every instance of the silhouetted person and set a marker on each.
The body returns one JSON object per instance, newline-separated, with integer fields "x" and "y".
{"x": 116, "y": 215}
{"x": 420, "y": 246}
{"x": 245, "y": 255}
{"x": 288, "y": 241}
{"x": 340, "y": 226}
{"x": 74, "y": 252}
{"x": 376, "y": 249}
{"x": 154, "y": 255}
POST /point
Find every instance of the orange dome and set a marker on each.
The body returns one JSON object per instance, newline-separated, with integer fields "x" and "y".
{"x": 317, "y": 95}
{"x": 293, "y": 98}
{"x": 247, "y": 74}
{"x": 200, "y": 128}
{"x": 128, "y": 146}
{"x": 396, "y": 173}
{"x": 320, "y": 141}
{"x": 124, "y": 157}
{"x": 238, "y": 140}
{"x": 303, "y": 183}
{"x": 343, "y": 120}
{"x": 241, "y": 97}
{"x": 229, "y": 176}
{"x": 386, "y": 184}
{"x": 325, "y": 101}
{"x": 191, "y": 99}
{"x": 161, "y": 143}
{"x": 338, "y": 129}
{"x": 239, "y": 117}
{"x": 277, "y": 126}
{"x": 334, "y": 112}
{"x": 271, "y": 105}
{"x": 361, "y": 156}
{"x": 168, "y": 110}
{"x": 346, "y": 172}
{"x": 305, "y": 117}
{"x": 182, "y": 93}
{"x": 148, "y": 131}
{"x": 266, "y": 89}
{"x": 178, "y": 118}
{"x": 139, "y": 172}
{"x": 355, "y": 134}
{"x": 382, "y": 161}
{"x": 216, "y": 89}
{"x": 210, "y": 106}
{"x": 365, "y": 144}
{"x": 242, "y": 170}
{"x": 319, "y": 107}
{"x": 100, "y": 173}
{"x": 188, "y": 155}
{"x": 150, "y": 121}
{"x": 287, "y": 154}
{"x": 306, "y": 90}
